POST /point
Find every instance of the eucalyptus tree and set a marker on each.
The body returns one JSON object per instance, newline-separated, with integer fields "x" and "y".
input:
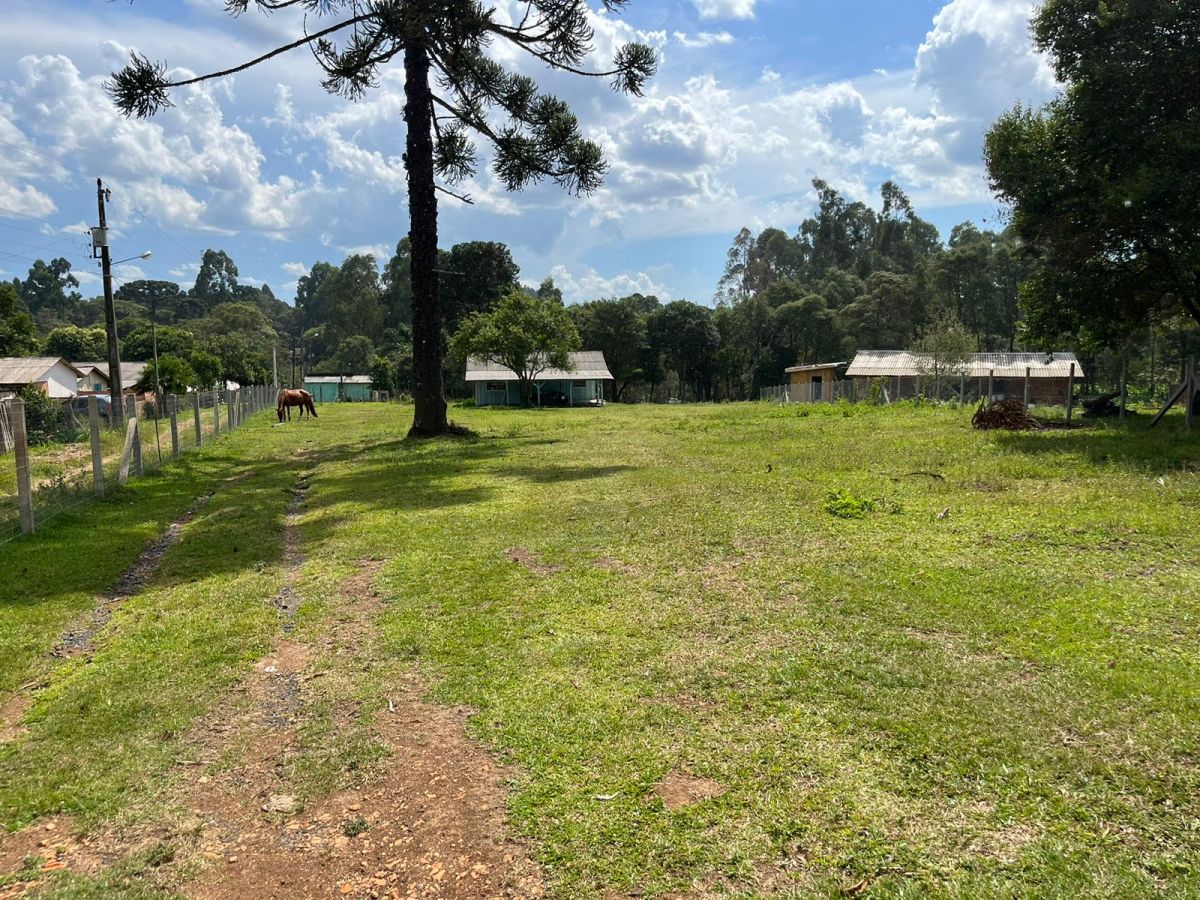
{"x": 455, "y": 92}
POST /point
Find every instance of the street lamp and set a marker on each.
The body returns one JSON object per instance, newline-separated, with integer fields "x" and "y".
{"x": 143, "y": 255}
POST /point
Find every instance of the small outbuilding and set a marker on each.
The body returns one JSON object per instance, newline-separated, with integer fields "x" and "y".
{"x": 338, "y": 388}
{"x": 812, "y": 383}
{"x": 905, "y": 374}
{"x": 53, "y": 376}
{"x": 581, "y": 385}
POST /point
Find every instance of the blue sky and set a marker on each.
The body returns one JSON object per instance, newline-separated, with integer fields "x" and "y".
{"x": 754, "y": 99}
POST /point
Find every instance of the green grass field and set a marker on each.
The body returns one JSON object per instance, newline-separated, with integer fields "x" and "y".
{"x": 910, "y": 658}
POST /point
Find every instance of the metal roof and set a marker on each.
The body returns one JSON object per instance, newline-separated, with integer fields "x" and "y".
{"x": 814, "y": 367}
{"x": 337, "y": 379}
{"x": 586, "y": 364}
{"x": 131, "y": 371}
{"x": 885, "y": 363}
{"x": 30, "y": 369}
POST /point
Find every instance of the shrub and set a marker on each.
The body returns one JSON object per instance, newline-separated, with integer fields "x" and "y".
{"x": 845, "y": 505}
{"x": 45, "y": 420}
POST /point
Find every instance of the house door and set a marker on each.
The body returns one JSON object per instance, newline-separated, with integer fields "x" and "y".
{"x": 818, "y": 388}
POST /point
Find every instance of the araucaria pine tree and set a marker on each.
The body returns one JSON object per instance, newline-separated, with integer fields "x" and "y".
{"x": 455, "y": 93}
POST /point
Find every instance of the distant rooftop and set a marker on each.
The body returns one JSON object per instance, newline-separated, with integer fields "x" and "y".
{"x": 28, "y": 369}
{"x": 888, "y": 363}
{"x": 337, "y": 379}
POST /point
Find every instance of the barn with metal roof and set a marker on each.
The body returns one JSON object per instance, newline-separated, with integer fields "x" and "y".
{"x": 907, "y": 374}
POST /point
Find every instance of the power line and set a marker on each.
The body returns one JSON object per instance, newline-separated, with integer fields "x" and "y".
{"x": 48, "y": 159}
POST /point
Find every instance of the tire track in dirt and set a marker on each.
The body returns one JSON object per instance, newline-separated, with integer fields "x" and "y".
{"x": 428, "y": 820}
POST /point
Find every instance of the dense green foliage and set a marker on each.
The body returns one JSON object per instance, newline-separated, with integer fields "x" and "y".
{"x": 1102, "y": 181}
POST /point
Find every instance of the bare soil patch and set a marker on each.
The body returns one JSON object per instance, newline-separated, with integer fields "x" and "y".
{"x": 430, "y": 824}
{"x": 614, "y": 565}
{"x": 530, "y": 560}
{"x": 11, "y": 712}
{"x": 679, "y": 789}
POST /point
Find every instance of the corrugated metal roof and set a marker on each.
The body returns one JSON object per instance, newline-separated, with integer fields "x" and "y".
{"x": 815, "y": 367}
{"x": 337, "y": 379}
{"x": 587, "y": 364}
{"x": 131, "y": 371}
{"x": 29, "y": 369}
{"x": 885, "y": 363}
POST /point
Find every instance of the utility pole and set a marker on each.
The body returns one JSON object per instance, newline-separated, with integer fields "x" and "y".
{"x": 100, "y": 239}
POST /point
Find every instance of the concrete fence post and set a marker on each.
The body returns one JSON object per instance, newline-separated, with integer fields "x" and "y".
{"x": 174, "y": 403}
{"x": 1070, "y": 393}
{"x": 196, "y": 417}
{"x": 24, "y": 477}
{"x": 137, "y": 437}
{"x": 97, "y": 452}
{"x": 216, "y": 411}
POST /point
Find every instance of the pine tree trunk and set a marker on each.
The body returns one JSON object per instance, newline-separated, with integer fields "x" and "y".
{"x": 429, "y": 417}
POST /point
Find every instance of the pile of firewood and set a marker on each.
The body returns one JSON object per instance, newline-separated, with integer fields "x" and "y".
{"x": 1010, "y": 415}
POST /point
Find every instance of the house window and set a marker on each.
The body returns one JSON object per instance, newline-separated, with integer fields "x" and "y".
{"x": 496, "y": 386}
{"x": 579, "y": 382}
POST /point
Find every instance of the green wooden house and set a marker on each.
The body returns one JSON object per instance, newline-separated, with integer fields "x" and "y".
{"x": 581, "y": 385}
{"x": 338, "y": 388}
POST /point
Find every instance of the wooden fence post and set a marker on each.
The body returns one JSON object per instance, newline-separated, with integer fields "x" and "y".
{"x": 196, "y": 417}
{"x": 991, "y": 380}
{"x": 174, "y": 401}
{"x": 1027, "y": 385}
{"x": 962, "y": 387}
{"x": 229, "y": 395}
{"x": 1124, "y": 385}
{"x": 97, "y": 452}
{"x": 216, "y": 411}
{"x": 24, "y": 477}
{"x": 1189, "y": 396}
{"x": 1070, "y": 393}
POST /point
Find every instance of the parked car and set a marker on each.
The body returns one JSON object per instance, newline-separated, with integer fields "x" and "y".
{"x": 79, "y": 404}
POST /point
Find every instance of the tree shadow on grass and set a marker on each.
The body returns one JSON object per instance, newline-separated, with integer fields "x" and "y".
{"x": 1132, "y": 446}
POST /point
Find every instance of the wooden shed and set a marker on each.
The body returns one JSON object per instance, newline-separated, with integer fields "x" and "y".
{"x": 812, "y": 383}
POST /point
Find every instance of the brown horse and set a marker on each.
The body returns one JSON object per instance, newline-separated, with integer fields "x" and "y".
{"x": 289, "y": 398}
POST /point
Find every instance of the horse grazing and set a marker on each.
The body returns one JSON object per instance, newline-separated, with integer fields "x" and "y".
{"x": 289, "y": 398}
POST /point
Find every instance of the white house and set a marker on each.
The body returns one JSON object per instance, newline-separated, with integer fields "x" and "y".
{"x": 95, "y": 376}
{"x": 55, "y": 377}
{"x": 496, "y": 385}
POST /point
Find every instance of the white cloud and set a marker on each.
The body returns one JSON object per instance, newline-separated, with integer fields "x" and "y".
{"x": 589, "y": 284}
{"x": 25, "y": 200}
{"x": 703, "y": 39}
{"x": 295, "y": 269}
{"x": 725, "y": 9}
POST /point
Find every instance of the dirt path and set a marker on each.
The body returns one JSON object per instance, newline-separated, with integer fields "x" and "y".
{"x": 427, "y": 820}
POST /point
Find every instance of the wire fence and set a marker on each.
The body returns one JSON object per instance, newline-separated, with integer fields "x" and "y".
{"x": 952, "y": 388}
{"x": 40, "y": 482}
